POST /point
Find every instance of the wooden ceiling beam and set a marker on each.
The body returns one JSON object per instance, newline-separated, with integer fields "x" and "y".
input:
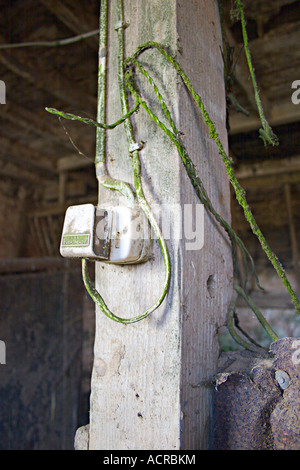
{"x": 269, "y": 174}
{"x": 73, "y": 189}
{"x": 25, "y": 265}
{"x": 66, "y": 92}
{"x": 27, "y": 158}
{"x": 279, "y": 114}
{"x": 14, "y": 172}
{"x": 269, "y": 168}
{"x": 57, "y": 209}
{"x": 73, "y": 163}
{"x": 74, "y": 18}
{"x": 267, "y": 183}
{"x": 32, "y": 122}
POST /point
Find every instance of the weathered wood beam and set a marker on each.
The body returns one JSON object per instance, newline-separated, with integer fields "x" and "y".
{"x": 275, "y": 45}
{"x": 62, "y": 187}
{"x": 20, "y": 265}
{"x": 269, "y": 168}
{"x": 32, "y": 122}
{"x": 256, "y": 8}
{"x": 86, "y": 177}
{"x": 148, "y": 385}
{"x": 73, "y": 189}
{"x": 279, "y": 114}
{"x": 74, "y": 17}
{"x": 57, "y": 209}
{"x": 67, "y": 92}
{"x": 73, "y": 163}
{"x": 271, "y": 181}
{"x": 25, "y": 157}
{"x": 8, "y": 170}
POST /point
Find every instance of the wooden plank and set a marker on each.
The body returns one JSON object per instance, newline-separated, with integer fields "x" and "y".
{"x": 32, "y": 122}
{"x": 76, "y": 97}
{"x": 272, "y": 181}
{"x": 36, "y": 221}
{"x": 50, "y": 325}
{"x": 74, "y": 17}
{"x": 57, "y": 209}
{"x": 8, "y": 170}
{"x": 148, "y": 382}
{"x": 53, "y": 233}
{"x": 279, "y": 114}
{"x": 25, "y": 157}
{"x": 62, "y": 187}
{"x": 18, "y": 265}
{"x": 269, "y": 168}
{"x": 22, "y": 221}
{"x": 73, "y": 163}
{"x": 73, "y": 189}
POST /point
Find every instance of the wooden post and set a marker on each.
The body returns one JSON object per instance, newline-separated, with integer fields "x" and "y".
{"x": 151, "y": 381}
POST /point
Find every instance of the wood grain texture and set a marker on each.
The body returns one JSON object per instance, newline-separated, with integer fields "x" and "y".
{"x": 146, "y": 381}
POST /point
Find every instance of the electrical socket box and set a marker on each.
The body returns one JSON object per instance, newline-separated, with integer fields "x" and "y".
{"x": 114, "y": 234}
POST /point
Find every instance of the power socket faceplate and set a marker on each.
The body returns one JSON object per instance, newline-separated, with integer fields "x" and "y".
{"x": 119, "y": 234}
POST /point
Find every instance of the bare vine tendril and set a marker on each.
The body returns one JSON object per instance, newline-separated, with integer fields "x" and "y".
{"x": 127, "y": 76}
{"x": 239, "y": 191}
{"x": 137, "y": 177}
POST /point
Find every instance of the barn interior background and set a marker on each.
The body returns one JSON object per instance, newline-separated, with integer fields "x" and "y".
{"x": 46, "y": 317}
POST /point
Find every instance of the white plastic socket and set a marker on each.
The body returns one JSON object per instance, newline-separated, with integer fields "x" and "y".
{"x": 119, "y": 234}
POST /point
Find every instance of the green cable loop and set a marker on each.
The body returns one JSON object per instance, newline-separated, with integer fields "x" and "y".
{"x": 239, "y": 191}
{"x": 188, "y": 163}
{"x": 97, "y": 298}
{"x": 95, "y": 295}
{"x": 174, "y": 135}
{"x": 201, "y": 192}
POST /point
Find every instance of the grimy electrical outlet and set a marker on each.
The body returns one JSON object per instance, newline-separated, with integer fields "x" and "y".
{"x": 114, "y": 234}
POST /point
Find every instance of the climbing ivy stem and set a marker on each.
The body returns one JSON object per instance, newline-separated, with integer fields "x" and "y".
{"x": 239, "y": 191}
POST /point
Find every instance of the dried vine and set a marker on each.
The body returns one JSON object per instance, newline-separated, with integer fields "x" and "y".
{"x": 266, "y": 133}
{"x": 131, "y": 65}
